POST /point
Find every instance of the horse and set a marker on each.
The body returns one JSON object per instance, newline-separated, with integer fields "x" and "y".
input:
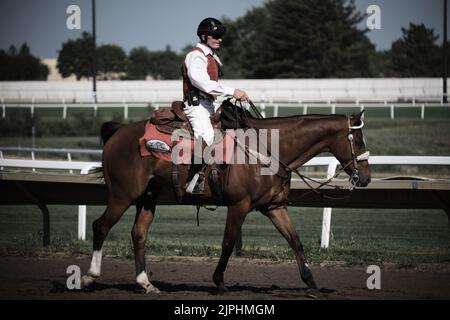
{"x": 132, "y": 179}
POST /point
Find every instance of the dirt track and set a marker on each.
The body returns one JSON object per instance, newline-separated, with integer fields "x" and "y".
{"x": 187, "y": 279}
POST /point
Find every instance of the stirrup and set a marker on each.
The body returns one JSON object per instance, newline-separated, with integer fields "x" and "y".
{"x": 196, "y": 186}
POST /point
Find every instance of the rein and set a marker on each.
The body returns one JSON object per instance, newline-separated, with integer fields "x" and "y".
{"x": 355, "y": 159}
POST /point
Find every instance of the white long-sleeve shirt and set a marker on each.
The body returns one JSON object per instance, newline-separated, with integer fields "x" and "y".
{"x": 197, "y": 65}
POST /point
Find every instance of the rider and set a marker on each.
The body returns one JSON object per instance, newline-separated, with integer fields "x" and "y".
{"x": 201, "y": 72}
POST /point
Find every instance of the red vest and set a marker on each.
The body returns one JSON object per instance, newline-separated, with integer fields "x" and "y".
{"x": 212, "y": 69}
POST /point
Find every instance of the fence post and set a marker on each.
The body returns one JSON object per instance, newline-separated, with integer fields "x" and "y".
{"x": 3, "y": 108}
{"x": 125, "y": 109}
{"x": 32, "y": 108}
{"x": 305, "y": 109}
{"x": 422, "y": 111}
{"x": 69, "y": 158}
{"x": 64, "y": 108}
{"x": 82, "y": 213}
{"x": 392, "y": 111}
{"x": 33, "y": 158}
{"x": 275, "y": 110}
{"x": 326, "y": 219}
{"x": 82, "y": 222}
{"x": 263, "y": 110}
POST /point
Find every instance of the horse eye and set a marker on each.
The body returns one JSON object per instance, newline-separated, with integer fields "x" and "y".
{"x": 360, "y": 142}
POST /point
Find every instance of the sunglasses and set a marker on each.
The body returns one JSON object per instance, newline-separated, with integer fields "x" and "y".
{"x": 217, "y": 36}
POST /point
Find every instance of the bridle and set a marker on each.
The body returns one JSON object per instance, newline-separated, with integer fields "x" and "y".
{"x": 354, "y": 177}
{"x": 355, "y": 159}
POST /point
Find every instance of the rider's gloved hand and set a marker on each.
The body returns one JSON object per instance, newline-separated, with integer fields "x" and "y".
{"x": 240, "y": 95}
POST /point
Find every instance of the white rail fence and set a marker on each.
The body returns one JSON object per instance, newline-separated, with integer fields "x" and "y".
{"x": 395, "y": 89}
{"x": 303, "y": 107}
{"x": 330, "y": 162}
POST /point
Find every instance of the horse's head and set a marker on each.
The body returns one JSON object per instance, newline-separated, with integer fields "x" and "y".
{"x": 350, "y": 150}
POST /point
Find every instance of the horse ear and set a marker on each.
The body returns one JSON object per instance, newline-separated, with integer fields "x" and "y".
{"x": 357, "y": 117}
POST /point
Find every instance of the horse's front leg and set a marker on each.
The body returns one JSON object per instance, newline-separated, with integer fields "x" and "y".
{"x": 145, "y": 211}
{"x": 235, "y": 217}
{"x": 282, "y": 221}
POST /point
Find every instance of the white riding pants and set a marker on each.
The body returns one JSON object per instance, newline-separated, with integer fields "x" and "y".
{"x": 199, "y": 118}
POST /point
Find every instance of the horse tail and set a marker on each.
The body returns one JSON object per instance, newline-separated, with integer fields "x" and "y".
{"x": 108, "y": 129}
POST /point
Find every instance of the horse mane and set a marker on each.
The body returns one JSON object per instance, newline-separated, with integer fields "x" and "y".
{"x": 234, "y": 116}
{"x": 108, "y": 129}
{"x": 262, "y": 123}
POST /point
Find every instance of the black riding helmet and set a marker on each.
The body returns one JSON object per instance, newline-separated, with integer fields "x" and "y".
{"x": 210, "y": 27}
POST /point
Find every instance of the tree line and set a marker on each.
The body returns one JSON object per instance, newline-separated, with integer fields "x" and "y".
{"x": 16, "y": 65}
{"x": 320, "y": 39}
{"x": 280, "y": 39}
{"x": 76, "y": 57}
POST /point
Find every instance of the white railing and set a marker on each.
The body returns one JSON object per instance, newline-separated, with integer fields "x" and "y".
{"x": 83, "y": 166}
{"x": 330, "y": 162}
{"x": 303, "y": 107}
{"x": 258, "y": 89}
{"x": 33, "y": 151}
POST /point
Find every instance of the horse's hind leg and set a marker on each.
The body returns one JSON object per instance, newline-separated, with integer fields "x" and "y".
{"x": 145, "y": 211}
{"x": 235, "y": 217}
{"x": 281, "y": 220}
{"x": 101, "y": 228}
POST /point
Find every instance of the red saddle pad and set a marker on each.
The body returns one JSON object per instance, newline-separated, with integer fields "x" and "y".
{"x": 151, "y": 133}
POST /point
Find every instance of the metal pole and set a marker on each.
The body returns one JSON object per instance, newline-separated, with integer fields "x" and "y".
{"x": 444, "y": 91}
{"x": 94, "y": 55}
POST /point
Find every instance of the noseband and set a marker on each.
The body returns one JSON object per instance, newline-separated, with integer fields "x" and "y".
{"x": 355, "y": 159}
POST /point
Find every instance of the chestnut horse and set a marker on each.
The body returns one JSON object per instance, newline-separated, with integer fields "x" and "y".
{"x": 132, "y": 179}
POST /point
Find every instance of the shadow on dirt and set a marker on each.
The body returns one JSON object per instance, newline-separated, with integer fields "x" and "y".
{"x": 166, "y": 287}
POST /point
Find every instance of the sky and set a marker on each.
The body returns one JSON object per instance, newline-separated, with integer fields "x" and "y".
{"x": 158, "y": 23}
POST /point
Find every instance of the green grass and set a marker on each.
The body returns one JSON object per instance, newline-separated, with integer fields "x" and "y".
{"x": 405, "y": 237}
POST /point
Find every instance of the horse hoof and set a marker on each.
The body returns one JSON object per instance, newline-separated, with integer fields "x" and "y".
{"x": 221, "y": 289}
{"x": 152, "y": 289}
{"x": 86, "y": 281}
{"x": 312, "y": 293}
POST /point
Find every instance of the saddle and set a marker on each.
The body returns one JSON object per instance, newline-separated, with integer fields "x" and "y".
{"x": 167, "y": 120}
